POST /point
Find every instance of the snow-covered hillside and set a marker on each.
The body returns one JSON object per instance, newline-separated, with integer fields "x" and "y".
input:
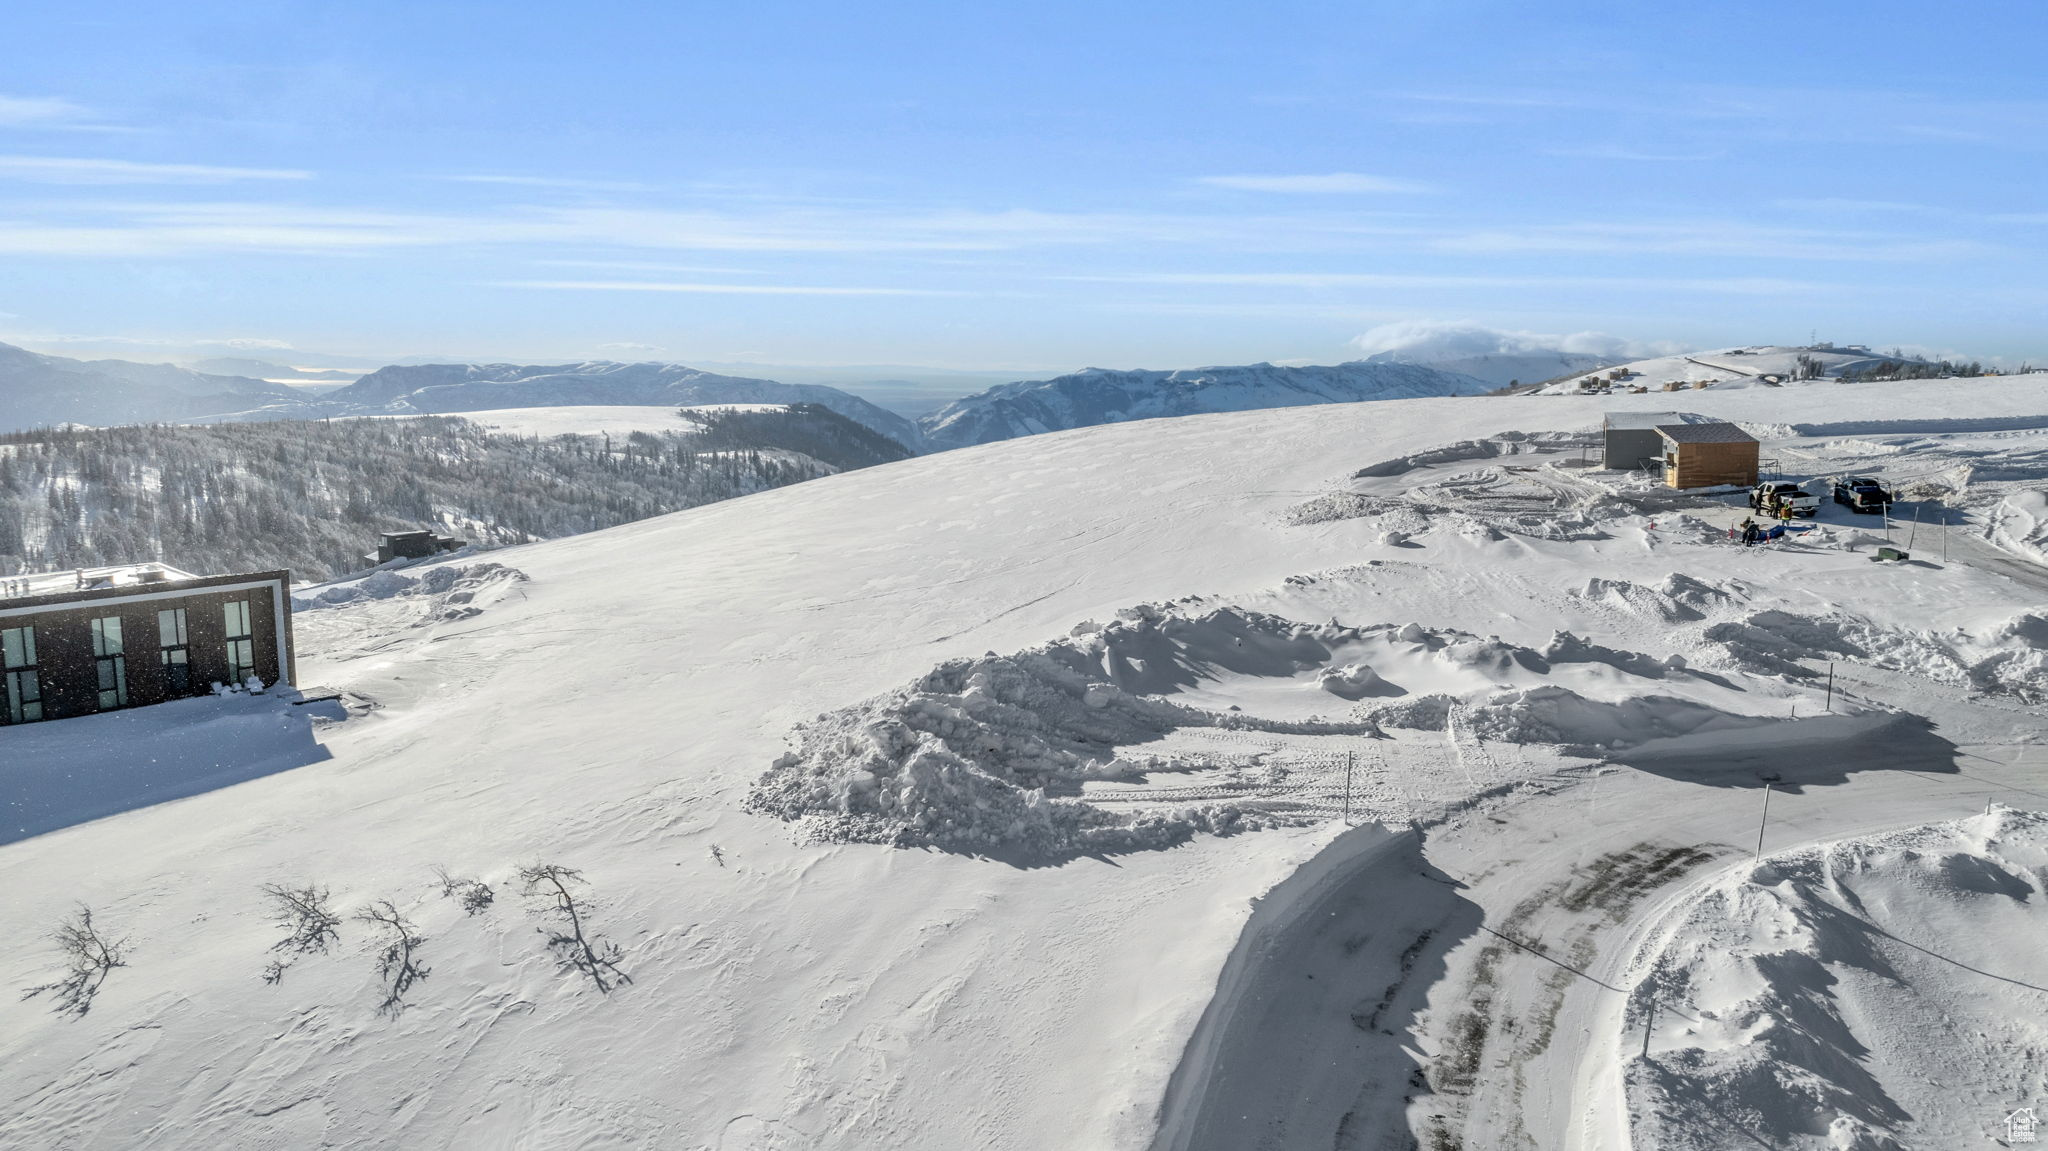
{"x": 1752, "y": 366}
{"x": 483, "y": 387}
{"x": 1100, "y": 396}
{"x": 997, "y": 799}
{"x": 1508, "y": 367}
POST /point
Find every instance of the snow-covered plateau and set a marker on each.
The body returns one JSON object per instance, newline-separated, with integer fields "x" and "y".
{"x": 1346, "y": 776}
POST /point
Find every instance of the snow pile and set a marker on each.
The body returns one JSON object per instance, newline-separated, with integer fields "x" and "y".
{"x": 2011, "y": 659}
{"x": 1511, "y": 443}
{"x": 1678, "y": 598}
{"x": 455, "y": 591}
{"x": 2019, "y": 524}
{"x": 1878, "y": 993}
{"x": 990, "y": 753}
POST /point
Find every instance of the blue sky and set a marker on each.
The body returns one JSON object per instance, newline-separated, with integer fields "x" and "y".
{"x": 1011, "y": 186}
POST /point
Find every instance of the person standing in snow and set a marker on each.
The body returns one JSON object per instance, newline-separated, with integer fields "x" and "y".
{"x": 1748, "y": 532}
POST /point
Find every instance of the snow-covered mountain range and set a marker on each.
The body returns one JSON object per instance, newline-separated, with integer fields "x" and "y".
{"x": 1102, "y": 396}
{"x": 453, "y": 388}
{"x": 1504, "y": 368}
{"x": 38, "y": 390}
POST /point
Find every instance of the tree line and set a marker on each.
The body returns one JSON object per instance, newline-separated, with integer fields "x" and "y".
{"x": 312, "y": 496}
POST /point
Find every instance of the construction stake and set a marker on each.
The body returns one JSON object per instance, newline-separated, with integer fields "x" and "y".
{"x": 1761, "y": 822}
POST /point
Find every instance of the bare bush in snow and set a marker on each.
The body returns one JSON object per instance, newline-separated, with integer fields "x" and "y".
{"x": 474, "y": 894}
{"x": 308, "y": 922}
{"x": 89, "y": 957}
{"x": 396, "y": 965}
{"x": 597, "y": 958}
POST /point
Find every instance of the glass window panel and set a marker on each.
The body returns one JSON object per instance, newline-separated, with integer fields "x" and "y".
{"x": 170, "y": 627}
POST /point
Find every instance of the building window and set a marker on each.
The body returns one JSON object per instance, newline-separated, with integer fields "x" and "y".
{"x": 241, "y": 642}
{"x": 173, "y": 657}
{"x": 110, "y": 656}
{"x": 23, "y": 687}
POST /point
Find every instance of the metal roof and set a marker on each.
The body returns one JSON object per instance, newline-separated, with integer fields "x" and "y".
{"x": 1717, "y": 433}
{"x": 1640, "y": 421}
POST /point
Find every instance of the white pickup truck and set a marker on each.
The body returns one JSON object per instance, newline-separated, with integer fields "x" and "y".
{"x": 1768, "y": 497}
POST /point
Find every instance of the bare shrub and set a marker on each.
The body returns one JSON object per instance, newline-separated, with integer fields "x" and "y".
{"x": 596, "y": 958}
{"x": 396, "y": 965}
{"x": 474, "y": 894}
{"x": 308, "y": 922}
{"x": 88, "y": 955}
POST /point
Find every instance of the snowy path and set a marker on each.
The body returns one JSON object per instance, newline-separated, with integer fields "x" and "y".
{"x": 1547, "y": 895}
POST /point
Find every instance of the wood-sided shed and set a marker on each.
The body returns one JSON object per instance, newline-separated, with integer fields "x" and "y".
{"x": 1708, "y": 455}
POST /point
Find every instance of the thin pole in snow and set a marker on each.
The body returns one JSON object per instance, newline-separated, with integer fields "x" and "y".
{"x": 1649, "y": 1025}
{"x": 1349, "y": 757}
{"x": 1761, "y": 822}
{"x": 1916, "y": 528}
{"x": 1831, "y": 686}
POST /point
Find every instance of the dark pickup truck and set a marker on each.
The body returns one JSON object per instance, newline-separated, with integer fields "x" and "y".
{"x": 1862, "y": 494}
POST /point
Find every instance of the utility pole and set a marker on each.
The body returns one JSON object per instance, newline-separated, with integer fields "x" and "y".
{"x": 1761, "y": 822}
{"x": 1649, "y": 1025}
{"x": 1831, "y": 686}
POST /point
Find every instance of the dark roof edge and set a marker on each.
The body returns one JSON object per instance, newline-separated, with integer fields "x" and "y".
{"x": 282, "y": 577}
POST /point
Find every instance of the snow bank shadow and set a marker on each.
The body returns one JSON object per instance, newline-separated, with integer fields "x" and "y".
{"x": 1794, "y": 753}
{"x": 1310, "y": 1028}
{"x": 989, "y": 756}
{"x": 54, "y": 775}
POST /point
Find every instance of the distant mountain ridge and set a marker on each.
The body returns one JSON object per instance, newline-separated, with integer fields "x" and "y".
{"x": 1503, "y": 368}
{"x": 1100, "y": 396}
{"x": 450, "y": 389}
{"x": 38, "y": 390}
{"x": 42, "y": 391}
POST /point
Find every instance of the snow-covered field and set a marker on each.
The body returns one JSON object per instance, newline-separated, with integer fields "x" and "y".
{"x": 593, "y": 420}
{"x": 998, "y": 799}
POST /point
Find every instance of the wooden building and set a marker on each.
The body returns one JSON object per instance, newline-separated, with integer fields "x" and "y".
{"x": 1708, "y": 455}
{"x": 76, "y": 643}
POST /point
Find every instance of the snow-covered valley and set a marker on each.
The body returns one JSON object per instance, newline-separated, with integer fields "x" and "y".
{"x": 1344, "y": 776}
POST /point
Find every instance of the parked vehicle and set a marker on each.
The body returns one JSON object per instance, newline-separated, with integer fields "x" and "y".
{"x": 1862, "y": 494}
{"x": 1770, "y": 496}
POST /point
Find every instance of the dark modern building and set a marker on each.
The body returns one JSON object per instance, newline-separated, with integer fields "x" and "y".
{"x": 75, "y": 643}
{"x": 1630, "y": 439}
{"x": 413, "y": 545}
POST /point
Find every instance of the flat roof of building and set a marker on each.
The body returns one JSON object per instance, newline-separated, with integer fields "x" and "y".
{"x": 1641, "y": 421}
{"x": 89, "y": 579}
{"x": 1714, "y": 433}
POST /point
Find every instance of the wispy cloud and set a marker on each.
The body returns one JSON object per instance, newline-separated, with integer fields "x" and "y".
{"x": 1328, "y": 184}
{"x": 168, "y": 228}
{"x": 1725, "y": 239}
{"x": 1741, "y": 285}
{"x": 564, "y": 182}
{"x": 1632, "y": 155}
{"x": 72, "y": 170}
{"x": 1834, "y": 204}
{"x": 18, "y": 111}
{"x": 709, "y": 289}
